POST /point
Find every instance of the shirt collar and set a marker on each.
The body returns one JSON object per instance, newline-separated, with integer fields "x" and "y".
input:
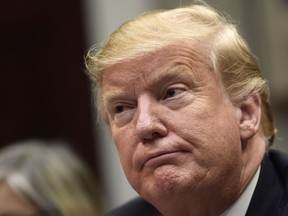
{"x": 239, "y": 208}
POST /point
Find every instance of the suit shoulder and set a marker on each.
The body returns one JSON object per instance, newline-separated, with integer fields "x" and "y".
{"x": 137, "y": 206}
{"x": 280, "y": 160}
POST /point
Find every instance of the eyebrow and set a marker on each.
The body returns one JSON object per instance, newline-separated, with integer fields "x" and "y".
{"x": 176, "y": 71}
{"x": 112, "y": 95}
{"x": 173, "y": 72}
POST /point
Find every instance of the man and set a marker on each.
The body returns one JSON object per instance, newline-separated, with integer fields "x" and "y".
{"x": 190, "y": 116}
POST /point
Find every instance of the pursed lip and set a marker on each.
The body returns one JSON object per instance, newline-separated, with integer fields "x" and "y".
{"x": 157, "y": 154}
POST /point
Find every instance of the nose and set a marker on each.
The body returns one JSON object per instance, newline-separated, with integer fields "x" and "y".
{"x": 149, "y": 124}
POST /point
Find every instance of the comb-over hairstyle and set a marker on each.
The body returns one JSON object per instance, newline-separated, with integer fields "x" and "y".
{"x": 228, "y": 52}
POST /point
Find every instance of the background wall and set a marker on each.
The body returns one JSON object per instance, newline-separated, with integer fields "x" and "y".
{"x": 44, "y": 93}
{"x": 264, "y": 25}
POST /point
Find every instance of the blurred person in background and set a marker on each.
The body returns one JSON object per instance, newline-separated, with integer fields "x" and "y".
{"x": 190, "y": 115}
{"x": 44, "y": 178}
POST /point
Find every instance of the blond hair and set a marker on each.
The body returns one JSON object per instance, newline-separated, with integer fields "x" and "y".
{"x": 229, "y": 54}
{"x": 51, "y": 177}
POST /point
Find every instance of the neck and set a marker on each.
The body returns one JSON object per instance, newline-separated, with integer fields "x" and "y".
{"x": 207, "y": 202}
{"x": 192, "y": 206}
{"x": 253, "y": 153}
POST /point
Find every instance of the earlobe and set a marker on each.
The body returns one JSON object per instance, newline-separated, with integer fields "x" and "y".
{"x": 250, "y": 117}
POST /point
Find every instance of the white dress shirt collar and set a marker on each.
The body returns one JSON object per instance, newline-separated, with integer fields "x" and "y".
{"x": 240, "y": 207}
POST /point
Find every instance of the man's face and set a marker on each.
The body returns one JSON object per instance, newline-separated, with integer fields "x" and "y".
{"x": 175, "y": 131}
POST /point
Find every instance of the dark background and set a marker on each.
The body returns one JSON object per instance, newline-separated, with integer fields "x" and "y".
{"x": 44, "y": 92}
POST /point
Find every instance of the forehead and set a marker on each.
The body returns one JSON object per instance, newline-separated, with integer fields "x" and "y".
{"x": 157, "y": 64}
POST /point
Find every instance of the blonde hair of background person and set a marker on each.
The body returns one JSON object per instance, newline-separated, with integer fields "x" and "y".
{"x": 50, "y": 176}
{"x": 231, "y": 57}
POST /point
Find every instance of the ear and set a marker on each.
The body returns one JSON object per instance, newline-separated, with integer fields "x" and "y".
{"x": 250, "y": 116}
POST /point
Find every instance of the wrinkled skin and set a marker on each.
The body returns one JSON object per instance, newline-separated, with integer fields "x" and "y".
{"x": 179, "y": 139}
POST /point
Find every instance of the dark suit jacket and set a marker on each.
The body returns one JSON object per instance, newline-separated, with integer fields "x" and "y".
{"x": 270, "y": 197}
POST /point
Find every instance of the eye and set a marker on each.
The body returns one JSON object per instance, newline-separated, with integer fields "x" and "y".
{"x": 119, "y": 109}
{"x": 121, "y": 113}
{"x": 172, "y": 92}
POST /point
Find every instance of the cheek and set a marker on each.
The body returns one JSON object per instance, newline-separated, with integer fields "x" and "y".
{"x": 125, "y": 145}
{"x": 210, "y": 130}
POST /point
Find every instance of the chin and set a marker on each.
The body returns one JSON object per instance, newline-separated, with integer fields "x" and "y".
{"x": 166, "y": 182}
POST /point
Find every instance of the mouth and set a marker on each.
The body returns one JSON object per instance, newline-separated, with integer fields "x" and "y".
{"x": 161, "y": 158}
